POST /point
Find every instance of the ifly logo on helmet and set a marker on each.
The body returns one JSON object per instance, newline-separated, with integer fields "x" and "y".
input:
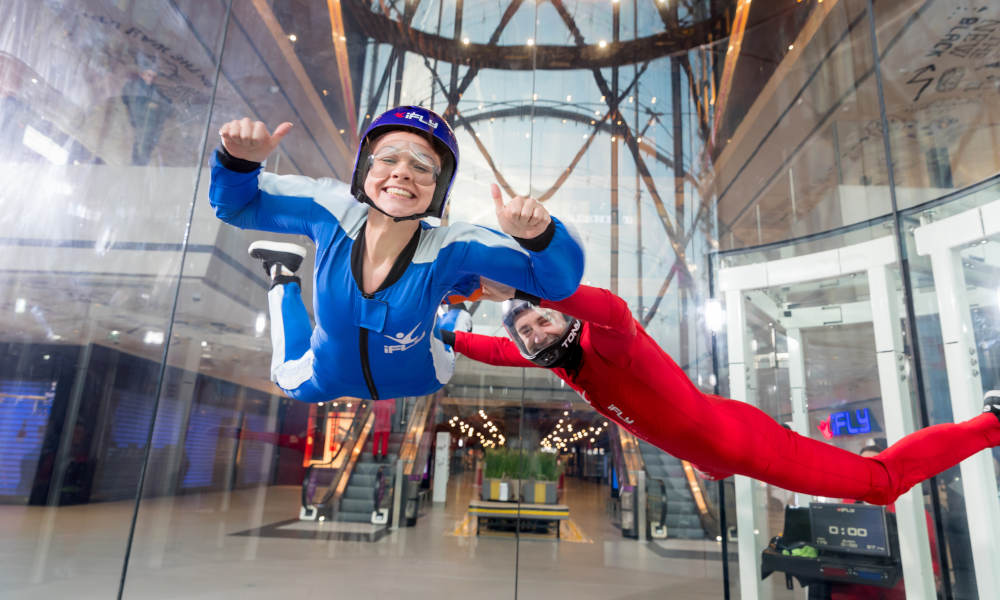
{"x": 415, "y": 115}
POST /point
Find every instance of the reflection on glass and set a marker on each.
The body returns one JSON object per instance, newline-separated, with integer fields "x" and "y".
{"x": 939, "y": 71}
{"x": 99, "y": 112}
{"x": 137, "y": 345}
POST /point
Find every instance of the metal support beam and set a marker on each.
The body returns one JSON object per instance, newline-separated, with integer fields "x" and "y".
{"x": 750, "y": 499}
{"x": 897, "y": 412}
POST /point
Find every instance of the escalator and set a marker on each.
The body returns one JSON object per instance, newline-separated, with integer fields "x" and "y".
{"x": 675, "y": 501}
{"x": 670, "y": 496}
{"x": 348, "y": 486}
{"x": 324, "y": 483}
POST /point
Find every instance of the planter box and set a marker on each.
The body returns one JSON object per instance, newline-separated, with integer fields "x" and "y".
{"x": 539, "y": 492}
{"x": 490, "y": 489}
{"x": 502, "y": 490}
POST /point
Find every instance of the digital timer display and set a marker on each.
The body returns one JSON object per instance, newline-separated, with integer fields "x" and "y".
{"x": 852, "y": 528}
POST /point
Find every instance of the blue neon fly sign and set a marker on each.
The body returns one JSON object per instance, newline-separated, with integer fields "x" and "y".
{"x": 851, "y": 422}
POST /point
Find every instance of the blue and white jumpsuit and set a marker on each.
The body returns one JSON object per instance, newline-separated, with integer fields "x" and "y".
{"x": 385, "y": 344}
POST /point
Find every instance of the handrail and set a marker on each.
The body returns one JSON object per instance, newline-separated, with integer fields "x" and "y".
{"x": 626, "y": 479}
{"x": 409, "y": 450}
{"x": 631, "y": 455}
{"x": 663, "y": 496}
{"x": 867, "y": 223}
{"x": 426, "y": 440}
{"x": 706, "y": 511}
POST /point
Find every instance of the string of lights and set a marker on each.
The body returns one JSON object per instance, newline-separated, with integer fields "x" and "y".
{"x": 562, "y": 435}
{"x": 488, "y": 434}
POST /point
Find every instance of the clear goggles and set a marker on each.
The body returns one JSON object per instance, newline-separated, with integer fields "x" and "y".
{"x": 423, "y": 167}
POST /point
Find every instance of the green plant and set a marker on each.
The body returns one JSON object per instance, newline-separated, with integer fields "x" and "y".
{"x": 495, "y": 462}
{"x": 548, "y": 466}
{"x": 502, "y": 463}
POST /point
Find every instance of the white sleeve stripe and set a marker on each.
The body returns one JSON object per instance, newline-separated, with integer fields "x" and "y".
{"x": 432, "y": 241}
{"x": 333, "y": 195}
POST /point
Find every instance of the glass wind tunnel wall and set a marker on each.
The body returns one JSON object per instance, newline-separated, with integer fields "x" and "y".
{"x": 145, "y": 451}
{"x": 855, "y": 195}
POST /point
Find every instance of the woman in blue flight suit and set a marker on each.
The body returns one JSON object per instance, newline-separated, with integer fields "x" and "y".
{"x": 380, "y": 271}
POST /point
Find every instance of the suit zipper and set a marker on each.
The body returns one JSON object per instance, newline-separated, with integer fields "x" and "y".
{"x": 366, "y": 367}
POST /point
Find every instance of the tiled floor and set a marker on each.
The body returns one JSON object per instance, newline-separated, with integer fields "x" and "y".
{"x": 186, "y": 547}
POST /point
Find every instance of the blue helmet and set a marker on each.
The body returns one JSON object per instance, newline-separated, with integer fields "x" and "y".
{"x": 421, "y": 121}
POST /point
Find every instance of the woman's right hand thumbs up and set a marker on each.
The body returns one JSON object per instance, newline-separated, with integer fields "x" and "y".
{"x": 250, "y": 140}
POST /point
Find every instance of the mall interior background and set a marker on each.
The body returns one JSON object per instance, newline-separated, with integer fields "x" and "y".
{"x": 767, "y": 184}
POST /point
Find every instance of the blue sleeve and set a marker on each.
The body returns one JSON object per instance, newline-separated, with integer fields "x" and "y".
{"x": 553, "y": 273}
{"x": 279, "y": 203}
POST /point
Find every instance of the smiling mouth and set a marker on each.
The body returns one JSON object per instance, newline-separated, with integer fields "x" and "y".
{"x": 399, "y": 192}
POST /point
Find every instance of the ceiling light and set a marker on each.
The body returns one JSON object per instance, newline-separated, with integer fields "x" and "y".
{"x": 465, "y": 41}
{"x": 260, "y": 323}
{"x": 20, "y": 305}
{"x": 292, "y": 37}
{"x": 602, "y": 44}
{"x": 153, "y": 337}
{"x": 530, "y": 42}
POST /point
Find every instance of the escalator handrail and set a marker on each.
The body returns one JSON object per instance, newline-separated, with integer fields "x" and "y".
{"x": 706, "y": 510}
{"x": 618, "y": 460}
{"x": 413, "y": 446}
{"x": 663, "y": 495}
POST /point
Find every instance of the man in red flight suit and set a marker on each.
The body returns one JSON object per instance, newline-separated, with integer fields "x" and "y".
{"x": 591, "y": 341}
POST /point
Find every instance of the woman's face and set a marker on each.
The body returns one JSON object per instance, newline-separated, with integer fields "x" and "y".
{"x": 403, "y": 175}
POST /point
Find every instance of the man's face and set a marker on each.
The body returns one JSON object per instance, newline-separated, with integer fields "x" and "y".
{"x": 539, "y": 327}
{"x": 398, "y": 180}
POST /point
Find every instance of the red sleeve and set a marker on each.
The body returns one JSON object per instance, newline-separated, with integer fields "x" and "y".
{"x": 490, "y": 350}
{"x": 599, "y": 307}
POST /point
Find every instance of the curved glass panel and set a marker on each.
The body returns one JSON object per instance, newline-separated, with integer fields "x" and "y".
{"x": 102, "y": 106}
{"x": 724, "y": 166}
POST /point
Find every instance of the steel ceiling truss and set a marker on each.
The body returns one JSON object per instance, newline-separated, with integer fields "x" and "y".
{"x": 675, "y": 42}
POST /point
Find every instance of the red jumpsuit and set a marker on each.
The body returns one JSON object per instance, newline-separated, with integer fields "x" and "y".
{"x": 628, "y": 378}
{"x": 384, "y": 409}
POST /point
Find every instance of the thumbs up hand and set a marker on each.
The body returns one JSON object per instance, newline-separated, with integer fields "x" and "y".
{"x": 522, "y": 217}
{"x": 250, "y": 140}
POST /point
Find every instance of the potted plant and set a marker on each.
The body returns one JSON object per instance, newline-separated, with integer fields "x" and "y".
{"x": 495, "y": 464}
{"x": 542, "y": 480}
